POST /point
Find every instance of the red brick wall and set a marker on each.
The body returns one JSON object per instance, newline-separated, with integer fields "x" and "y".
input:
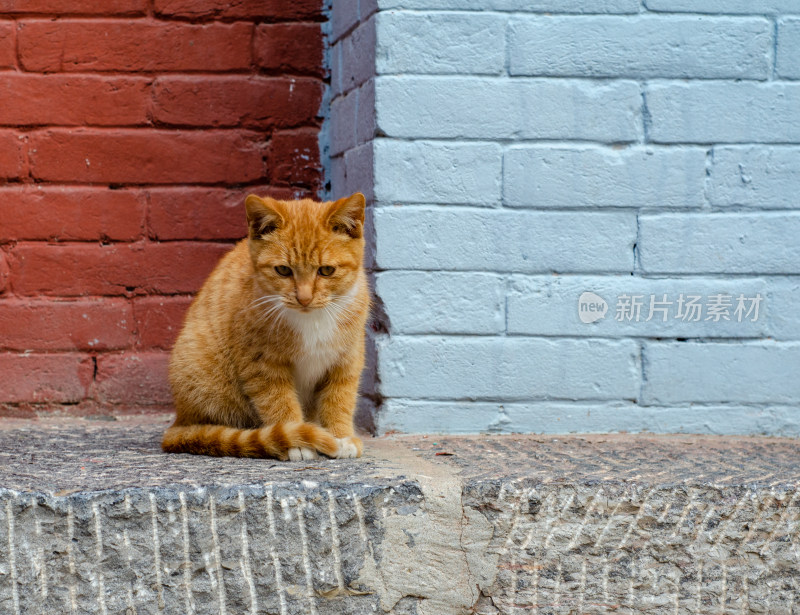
{"x": 130, "y": 132}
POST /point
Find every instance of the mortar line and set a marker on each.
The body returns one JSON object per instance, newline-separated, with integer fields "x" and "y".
{"x": 156, "y": 550}
{"x": 71, "y": 557}
{"x": 12, "y": 558}
{"x": 217, "y": 556}
{"x": 335, "y": 546}
{"x": 275, "y": 561}
{"x": 101, "y": 582}
{"x": 187, "y": 562}
{"x": 247, "y": 571}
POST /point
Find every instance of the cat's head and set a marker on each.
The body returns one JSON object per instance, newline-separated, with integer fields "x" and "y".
{"x": 308, "y": 254}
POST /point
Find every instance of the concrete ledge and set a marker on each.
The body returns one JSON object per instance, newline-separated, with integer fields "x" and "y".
{"x": 97, "y": 520}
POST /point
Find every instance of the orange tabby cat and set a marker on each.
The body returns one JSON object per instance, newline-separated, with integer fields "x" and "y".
{"x": 268, "y": 361}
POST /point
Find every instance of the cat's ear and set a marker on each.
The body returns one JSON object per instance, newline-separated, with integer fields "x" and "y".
{"x": 347, "y": 215}
{"x": 263, "y": 217}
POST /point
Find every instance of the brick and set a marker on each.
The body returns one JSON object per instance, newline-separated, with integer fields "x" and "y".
{"x": 505, "y": 368}
{"x": 787, "y": 62}
{"x": 290, "y": 48}
{"x": 293, "y": 158}
{"x": 146, "y": 156}
{"x": 133, "y": 46}
{"x": 159, "y": 320}
{"x": 755, "y": 176}
{"x": 468, "y": 417}
{"x": 535, "y": 6}
{"x": 12, "y": 156}
{"x": 551, "y": 306}
{"x": 484, "y": 107}
{"x": 133, "y": 378}
{"x": 359, "y": 164}
{"x": 430, "y": 302}
{"x": 253, "y": 102}
{"x": 756, "y": 7}
{"x": 66, "y": 100}
{"x": 642, "y": 47}
{"x": 30, "y": 212}
{"x": 344, "y": 15}
{"x": 720, "y": 243}
{"x": 436, "y": 172}
{"x": 760, "y": 372}
{"x": 462, "y": 239}
{"x": 117, "y": 269}
{"x": 357, "y": 61}
{"x": 783, "y": 297}
{"x": 8, "y": 52}
{"x": 4, "y": 272}
{"x": 90, "y": 325}
{"x": 365, "y": 118}
{"x": 581, "y": 176}
{"x": 270, "y": 9}
{"x": 197, "y": 213}
{"x": 716, "y": 112}
{"x": 73, "y": 7}
{"x": 33, "y": 377}
{"x": 440, "y": 43}
{"x": 344, "y": 114}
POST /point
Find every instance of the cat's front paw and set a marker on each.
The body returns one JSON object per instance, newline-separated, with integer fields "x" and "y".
{"x": 349, "y": 447}
{"x": 302, "y": 453}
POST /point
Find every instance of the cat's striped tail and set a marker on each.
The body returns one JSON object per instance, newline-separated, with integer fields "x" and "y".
{"x": 270, "y": 441}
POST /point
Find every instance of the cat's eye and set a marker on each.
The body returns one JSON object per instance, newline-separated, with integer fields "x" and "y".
{"x": 283, "y": 270}
{"x": 326, "y": 271}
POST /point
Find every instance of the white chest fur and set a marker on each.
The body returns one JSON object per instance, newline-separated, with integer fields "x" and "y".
{"x": 319, "y": 349}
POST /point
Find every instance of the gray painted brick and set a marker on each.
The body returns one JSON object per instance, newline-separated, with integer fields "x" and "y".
{"x": 352, "y": 118}
{"x": 467, "y": 417}
{"x": 756, "y": 176}
{"x": 788, "y": 57}
{"x": 534, "y": 6}
{"x": 365, "y": 117}
{"x": 461, "y": 239}
{"x": 549, "y": 305}
{"x": 499, "y": 108}
{"x": 358, "y": 164}
{"x": 337, "y": 177}
{"x": 578, "y": 176}
{"x": 759, "y": 372}
{"x": 720, "y": 112}
{"x": 720, "y": 243}
{"x": 436, "y": 172}
{"x": 358, "y": 55}
{"x": 335, "y": 59}
{"x": 344, "y": 15}
{"x": 440, "y": 43}
{"x": 648, "y": 47}
{"x": 754, "y": 7}
{"x": 507, "y": 368}
{"x": 343, "y": 122}
{"x": 442, "y": 302}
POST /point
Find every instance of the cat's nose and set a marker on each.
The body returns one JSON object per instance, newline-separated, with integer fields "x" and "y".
{"x": 304, "y": 295}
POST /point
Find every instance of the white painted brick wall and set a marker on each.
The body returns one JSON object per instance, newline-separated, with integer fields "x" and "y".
{"x": 520, "y": 152}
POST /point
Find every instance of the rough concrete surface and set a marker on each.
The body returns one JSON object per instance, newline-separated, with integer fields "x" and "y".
{"x": 97, "y": 520}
